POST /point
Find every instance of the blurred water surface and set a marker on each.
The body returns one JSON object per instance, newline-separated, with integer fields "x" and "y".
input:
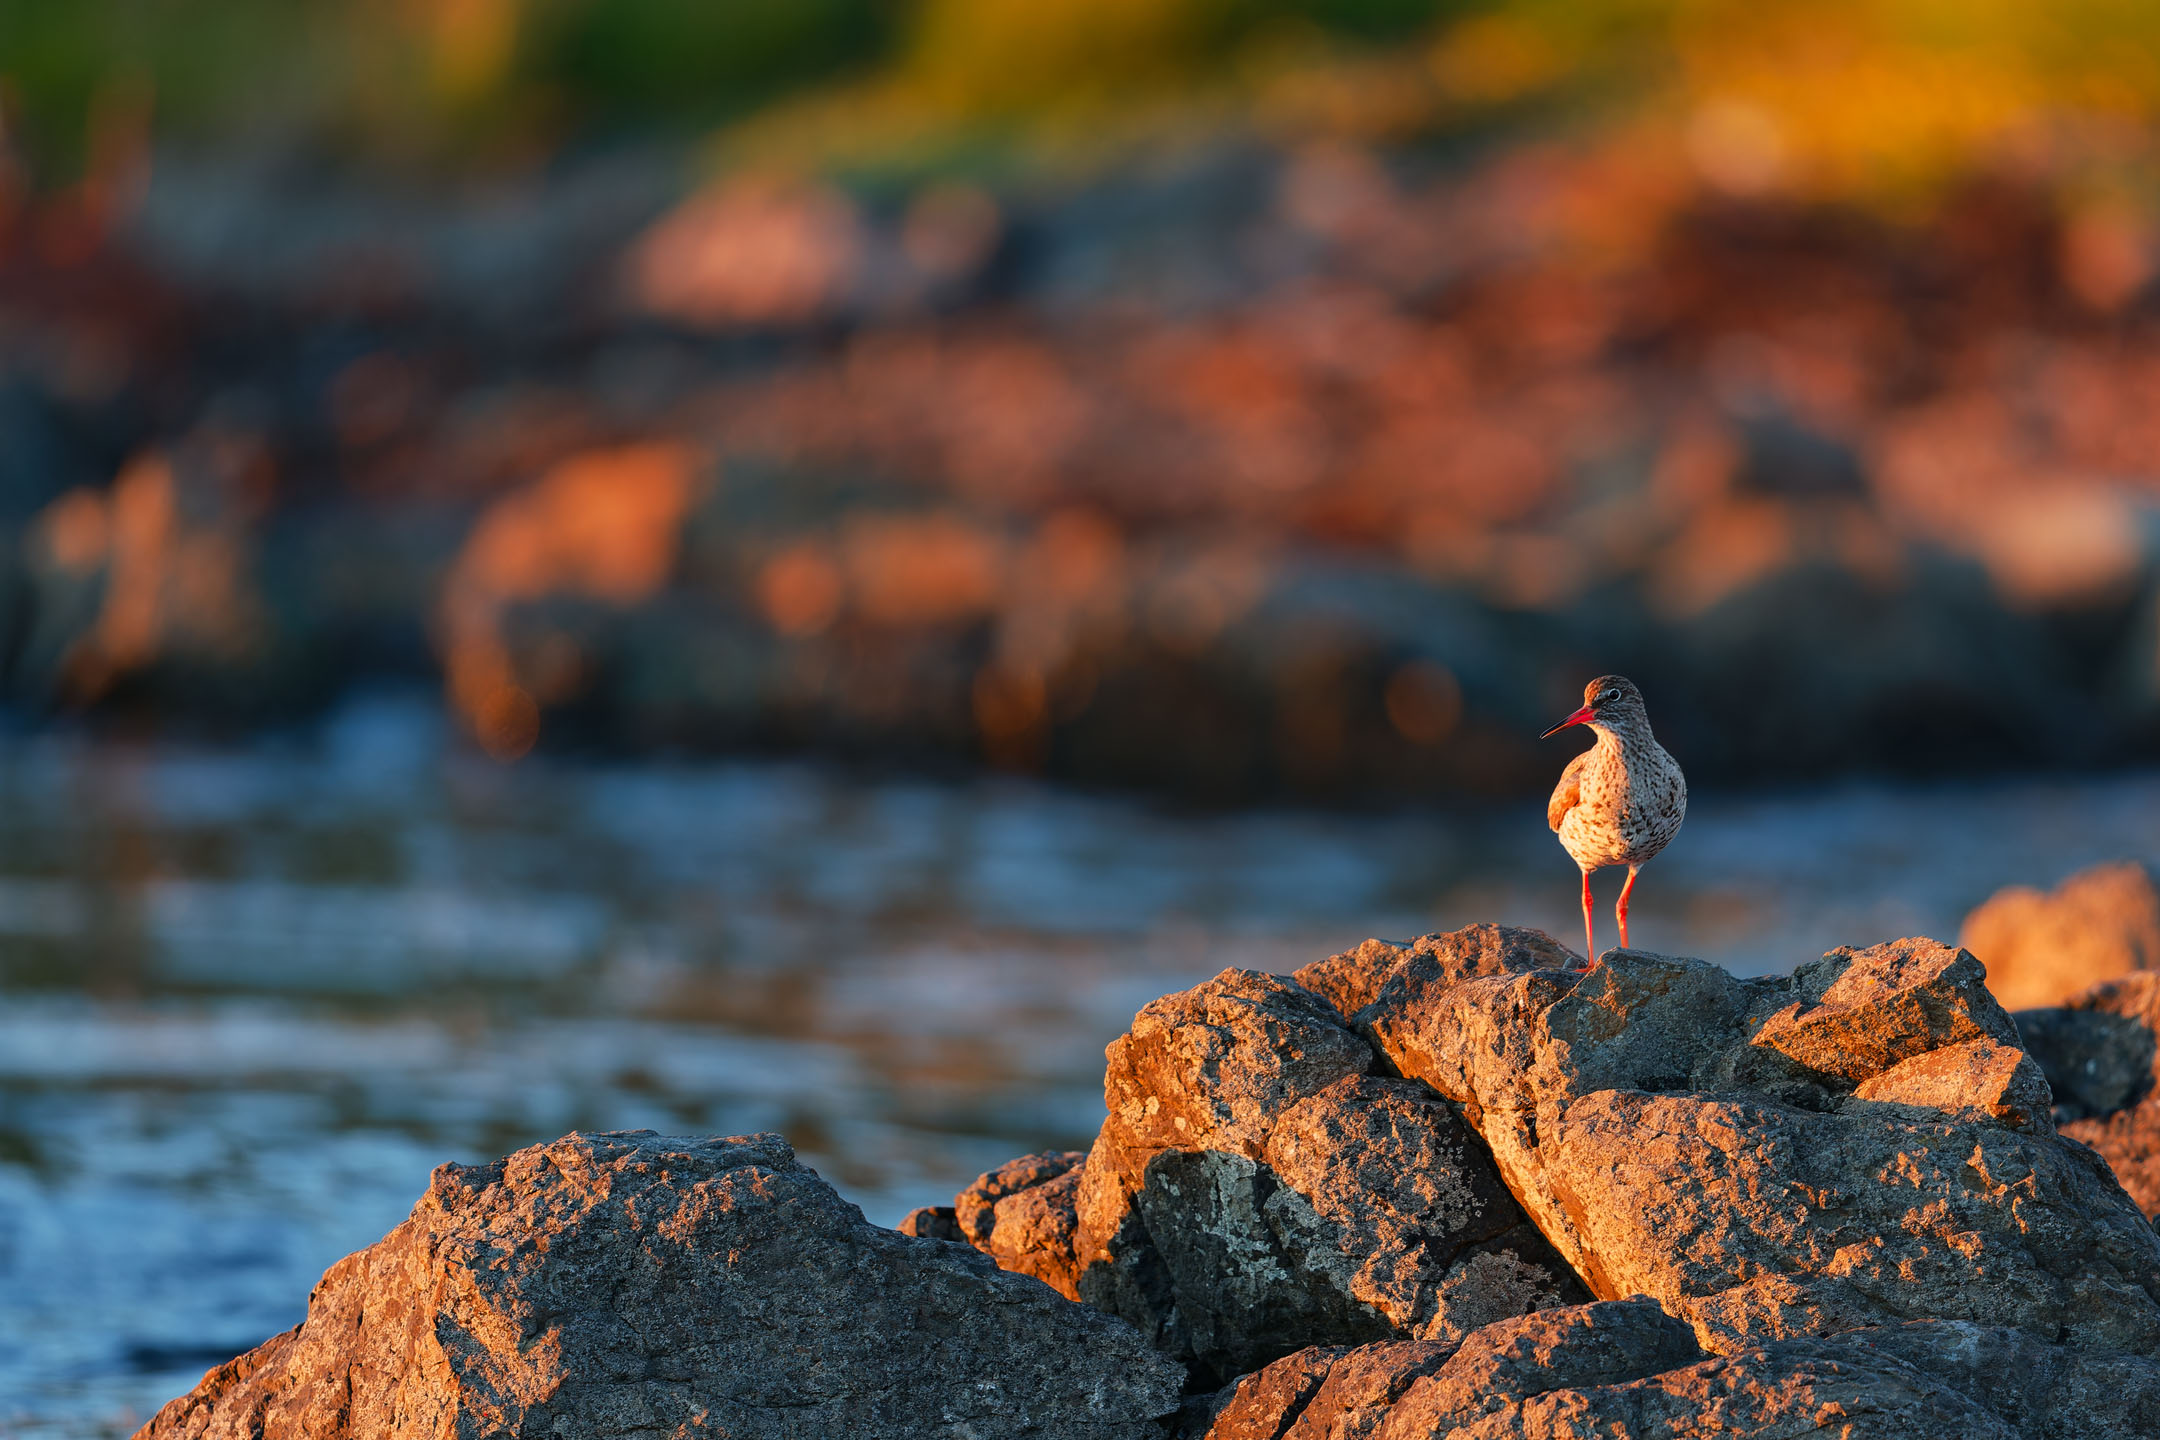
{"x": 252, "y": 996}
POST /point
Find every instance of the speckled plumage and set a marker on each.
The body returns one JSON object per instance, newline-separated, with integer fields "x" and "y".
{"x": 1621, "y": 801}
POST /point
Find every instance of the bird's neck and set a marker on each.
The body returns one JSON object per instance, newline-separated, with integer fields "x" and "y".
{"x": 1623, "y": 737}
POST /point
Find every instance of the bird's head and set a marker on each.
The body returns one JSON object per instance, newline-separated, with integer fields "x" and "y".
{"x": 1610, "y": 702}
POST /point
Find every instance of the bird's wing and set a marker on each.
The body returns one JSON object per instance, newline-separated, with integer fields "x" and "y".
{"x": 1568, "y": 793}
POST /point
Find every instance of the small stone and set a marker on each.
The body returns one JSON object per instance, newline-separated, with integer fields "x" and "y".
{"x": 1979, "y": 1077}
{"x": 931, "y": 1222}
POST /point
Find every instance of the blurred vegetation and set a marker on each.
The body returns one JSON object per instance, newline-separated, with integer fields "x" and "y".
{"x": 1867, "y": 94}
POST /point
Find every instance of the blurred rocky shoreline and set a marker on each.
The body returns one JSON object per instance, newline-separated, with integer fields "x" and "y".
{"x": 1452, "y": 1187}
{"x": 1319, "y": 471}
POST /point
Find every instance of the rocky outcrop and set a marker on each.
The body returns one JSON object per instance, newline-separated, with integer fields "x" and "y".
{"x": 1704, "y": 1140}
{"x": 1450, "y": 1188}
{"x": 632, "y": 1284}
{"x": 2043, "y": 948}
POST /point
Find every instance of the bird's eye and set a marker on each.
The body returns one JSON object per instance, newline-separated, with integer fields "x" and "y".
{"x": 1608, "y": 697}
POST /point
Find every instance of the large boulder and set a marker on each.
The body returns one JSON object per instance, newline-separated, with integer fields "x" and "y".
{"x": 1861, "y": 1142}
{"x": 1254, "y": 1190}
{"x": 1617, "y": 1368}
{"x": 633, "y": 1284}
{"x": 2043, "y": 948}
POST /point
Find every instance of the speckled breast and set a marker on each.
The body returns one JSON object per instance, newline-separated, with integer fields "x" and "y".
{"x": 1627, "y": 813}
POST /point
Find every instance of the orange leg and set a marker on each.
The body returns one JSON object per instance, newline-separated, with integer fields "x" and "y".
{"x": 1620, "y": 909}
{"x": 1589, "y": 936}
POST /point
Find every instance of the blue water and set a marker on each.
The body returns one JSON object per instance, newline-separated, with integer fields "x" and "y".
{"x": 249, "y": 997}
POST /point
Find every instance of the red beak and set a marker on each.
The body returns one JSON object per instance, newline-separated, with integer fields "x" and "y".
{"x": 1575, "y": 719}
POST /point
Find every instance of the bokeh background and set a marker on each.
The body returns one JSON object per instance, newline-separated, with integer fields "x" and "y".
{"x": 787, "y": 563}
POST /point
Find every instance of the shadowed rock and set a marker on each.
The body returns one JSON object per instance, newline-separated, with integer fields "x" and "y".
{"x": 1626, "y": 1368}
{"x": 2096, "y": 1062}
{"x": 2045, "y": 1392}
{"x": 2041, "y": 949}
{"x": 633, "y": 1284}
{"x": 2101, "y": 1049}
{"x": 931, "y": 1222}
{"x": 1254, "y": 1191}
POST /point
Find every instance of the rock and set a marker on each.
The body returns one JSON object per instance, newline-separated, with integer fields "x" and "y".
{"x": 1382, "y": 1186}
{"x": 1354, "y": 979}
{"x": 2099, "y": 1053}
{"x": 1363, "y": 1385}
{"x": 1619, "y": 1368}
{"x": 1758, "y": 1221}
{"x": 1978, "y": 1078}
{"x": 1351, "y": 980}
{"x": 2043, "y": 1391}
{"x": 1646, "y": 1126}
{"x": 1505, "y": 1364}
{"x": 2096, "y": 1062}
{"x": 1510, "y": 1047}
{"x": 1267, "y": 1402}
{"x": 1211, "y": 1067}
{"x": 931, "y": 1222}
{"x": 1254, "y": 1192}
{"x": 1861, "y": 1012}
{"x": 1024, "y": 1214}
{"x": 1324, "y": 1393}
{"x": 1800, "y": 1387}
{"x": 620, "y": 1284}
{"x": 2041, "y": 949}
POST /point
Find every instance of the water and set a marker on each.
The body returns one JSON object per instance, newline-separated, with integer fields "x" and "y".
{"x": 248, "y": 998}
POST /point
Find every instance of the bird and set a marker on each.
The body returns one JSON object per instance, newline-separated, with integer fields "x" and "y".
{"x": 1621, "y": 801}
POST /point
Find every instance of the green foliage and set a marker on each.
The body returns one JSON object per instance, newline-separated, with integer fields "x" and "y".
{"x": 429, "y": 80}
{"x": 696, "y": 61}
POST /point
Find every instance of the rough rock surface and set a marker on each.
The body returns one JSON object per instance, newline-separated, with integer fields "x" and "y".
{"x": 1981, "y": 1077}
{"x": 1355, "y": 979}
{"x": 1502, "y": 1366}
{"x": 1682, "y": 1134}
{"x": 2102, "y": 1051}
{"x": 2042, "y": 949}
{"x": 631, "y": 1284}
{"x": 1322, "y": 1393}
{"x": 1624, "y": 1368}
{"x": 1023, "y": 1215}
{"x": 1255, "y": 1191}
{"x": 1858, "y": 1013}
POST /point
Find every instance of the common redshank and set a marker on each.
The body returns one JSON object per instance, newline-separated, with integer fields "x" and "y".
{"x": 1619, "y": 802}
